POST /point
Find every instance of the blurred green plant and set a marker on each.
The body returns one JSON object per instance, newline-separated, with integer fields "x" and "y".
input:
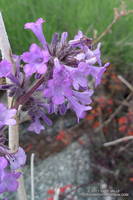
{"x": 91, "y": 16}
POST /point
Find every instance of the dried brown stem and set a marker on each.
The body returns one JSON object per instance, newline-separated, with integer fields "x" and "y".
{"x": 118, "y": 13}
{"x": 123, "y": 80}
{"x": 120, "y": 140}
{"x": 107, "y": 30}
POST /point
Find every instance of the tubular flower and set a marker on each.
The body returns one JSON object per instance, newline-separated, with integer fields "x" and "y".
{"x": 36, "y": 60}
{"x": 18, "y": 159}
{"x": 36, "y": 126}
{"x": 36, "y": 28}
{"x": 6, "y": 116}
{"x": 8, "y": 179}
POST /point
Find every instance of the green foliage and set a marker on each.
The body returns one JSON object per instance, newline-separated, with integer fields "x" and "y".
{"x": 72, "y": 15}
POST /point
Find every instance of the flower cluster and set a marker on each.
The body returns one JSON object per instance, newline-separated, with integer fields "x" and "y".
{"x": 9, "y": 162}
{"x": 64, "y": 70}
{"x": 48, "y": 79}
{"x": 8, "y": 179}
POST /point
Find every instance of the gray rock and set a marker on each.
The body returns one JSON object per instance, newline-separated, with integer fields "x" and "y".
{"x": 71, "y": 166}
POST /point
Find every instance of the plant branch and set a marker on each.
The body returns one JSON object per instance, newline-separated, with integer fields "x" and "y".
{"x": 118, "y": 13}
{"x": 123, "y": 80}
{"x": 107, "y": 30}
{"x": 123, "y": 139}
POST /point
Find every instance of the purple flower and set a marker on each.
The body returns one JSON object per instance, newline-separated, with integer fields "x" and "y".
{"x": 62, "y": 109}
{"x": 97, "y": 54}
{"x": 37, "y": 59}
{"x": 63, "y": 40}
{"x": 79, "y": 102}
{"x": 3, "y": 163}
{"x": 5, "y": 68}
{"x": 55, "y": 108}
{"x": 60, "y": 86}
{"x": 6, "y": 116}
{"x": 36, "y": 126}
{"x": 8, "y": 181}
{"x": 37, "y": 112}
{"x": 57, "y": 90}
{"x": 78, "y": 108}
{"x": 84, "y": 97}
{"x": 18, "y": 159}
{"x": 68, "y": 65}
{"x": 36, "y": 28}
{"x": 79, "y": 75}
{"x": 77, "y": 39}
{"x": 97, "y": 73}
{"x": 90, "y": 56}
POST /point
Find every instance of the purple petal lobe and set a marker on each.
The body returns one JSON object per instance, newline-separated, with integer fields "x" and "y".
{"x": 36, "y": 126}
{"x": 36, "y": 60}
{"x": 5, "y": 68}
{"x": 6, "y": 116}
{"x": 18, "y": 159}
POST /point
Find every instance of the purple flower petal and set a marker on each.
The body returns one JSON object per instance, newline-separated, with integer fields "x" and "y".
{"x": 3, "y": 163}
{"x": 79, "y": 75}
{"x": 29, "y": 69}
{"x": 5, "y": 68}
{"x": 36, "y": 126}
{"x": 18, "y": 159}
{"x": 64, "y": 36}
{"x": 97, "y": 73}
{"x": 6, "y": 116}
{"x": 84, "y": 97}
{"x": 78, "y": 108}
{"x": 36, "y": 28}
{"x": 59, "y": 86}
{"x": 37, "y": 59}
{"x": 8, "y": 181}
{"x": 77, "y": 39}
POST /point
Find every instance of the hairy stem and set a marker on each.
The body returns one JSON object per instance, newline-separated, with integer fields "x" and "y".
{"x": 13, "y": 133}
{"x": 24, "y": 98}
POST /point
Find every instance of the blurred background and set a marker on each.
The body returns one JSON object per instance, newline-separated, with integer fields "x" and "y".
{"x": 90, "y": 16}
{"x": 67, "y": 145}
